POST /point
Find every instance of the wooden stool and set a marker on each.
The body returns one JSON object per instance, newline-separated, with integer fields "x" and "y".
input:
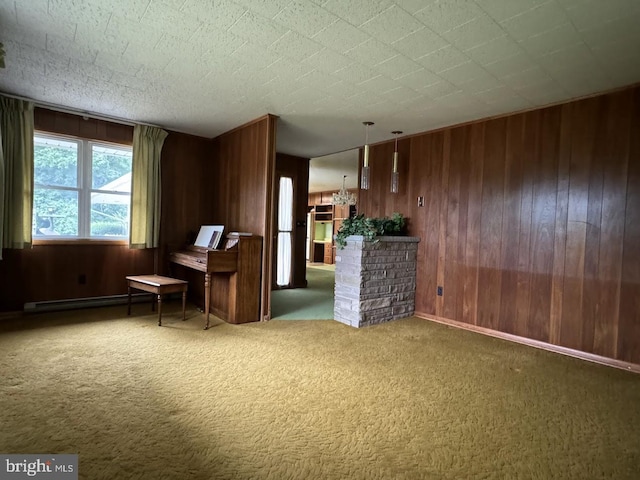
{"x": 157, "y": 285}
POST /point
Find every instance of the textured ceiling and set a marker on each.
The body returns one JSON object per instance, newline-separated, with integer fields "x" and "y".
{"x": 323, "y": 66}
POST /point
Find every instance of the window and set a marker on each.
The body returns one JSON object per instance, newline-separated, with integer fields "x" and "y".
{"x": 82, "y": 188}
{"x": 285, "y": 228}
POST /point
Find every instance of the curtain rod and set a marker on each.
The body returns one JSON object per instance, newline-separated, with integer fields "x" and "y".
{"x": 82, "y": 113}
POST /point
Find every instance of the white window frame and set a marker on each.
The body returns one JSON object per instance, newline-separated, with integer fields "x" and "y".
{"x": 83, "y": 187}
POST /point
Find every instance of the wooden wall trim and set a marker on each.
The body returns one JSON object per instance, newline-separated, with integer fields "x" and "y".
{"x": 570, "y": 352}
{"x": 267, "y": 251}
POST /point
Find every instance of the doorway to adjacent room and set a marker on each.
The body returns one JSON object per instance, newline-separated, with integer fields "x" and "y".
{"x": 315, "y": 302}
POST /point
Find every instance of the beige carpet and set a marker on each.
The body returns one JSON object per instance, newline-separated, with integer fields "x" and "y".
{"x": 307, "y": 400}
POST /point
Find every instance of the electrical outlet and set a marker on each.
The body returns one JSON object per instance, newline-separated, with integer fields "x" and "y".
{"x": 421, "y": 201}
{"x": 439, "y": 291}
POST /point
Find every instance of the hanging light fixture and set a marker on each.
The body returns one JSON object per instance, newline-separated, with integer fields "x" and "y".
{"x": 343, "y": 197}
{"x": 364, "y": 178}
{"x": 394, "y": 172}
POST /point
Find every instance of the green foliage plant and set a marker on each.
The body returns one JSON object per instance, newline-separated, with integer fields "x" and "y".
{"x": 370, "y": 227}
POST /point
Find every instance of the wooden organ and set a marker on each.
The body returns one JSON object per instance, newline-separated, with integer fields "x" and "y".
{"x": 231, "y": 277}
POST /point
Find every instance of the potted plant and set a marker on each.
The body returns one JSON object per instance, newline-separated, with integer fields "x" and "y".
{"x": 370, "y": 227}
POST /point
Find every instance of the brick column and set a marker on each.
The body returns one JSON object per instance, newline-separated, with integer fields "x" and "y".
{"x": 375, "y": 280}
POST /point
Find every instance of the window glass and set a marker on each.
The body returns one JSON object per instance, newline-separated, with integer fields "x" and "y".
{"x": 55, "y": 162}
{"x": 109, "y": 215}
{"x": 111, "y": 168}
{"x": 82, "y": 189}
{"x": 55, "y": 212}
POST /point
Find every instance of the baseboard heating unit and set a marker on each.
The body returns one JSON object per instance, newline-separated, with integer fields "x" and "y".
{"x": 88, "y": 302}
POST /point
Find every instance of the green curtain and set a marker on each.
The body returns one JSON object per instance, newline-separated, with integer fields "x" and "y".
{"x": 16, "y": 173}
{"x": 145, "y": 187}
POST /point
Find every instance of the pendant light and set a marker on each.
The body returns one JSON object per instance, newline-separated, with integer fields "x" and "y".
{"x": 394, "y": 172}
{"x": 364, "y": 178}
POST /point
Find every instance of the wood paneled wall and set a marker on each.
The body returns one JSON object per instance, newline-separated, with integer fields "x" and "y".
{"x": 187, "y": 182}
{"x": 51, "y": 272}
{"x": 531, "y": 222}
{"x": 239, "y": 200}
{"x": 242, "y": 187}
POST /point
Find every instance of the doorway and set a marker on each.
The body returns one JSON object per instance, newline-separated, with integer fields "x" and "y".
{"x": 315, "y": 302}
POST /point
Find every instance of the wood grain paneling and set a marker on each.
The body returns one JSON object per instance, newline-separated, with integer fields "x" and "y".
{"x": 543, "y": 219}
{"x": 474, "y": 172}
{"x": 187, "y": 179}
{"x": 628, "y": 345}
{"x": 239, "y": 201}
{"x": 530, "y": 223}
{"x": 242, "y": 187}
{"x": 52, "y": 272}
{"x": 186, "y": 175}
{"x": 492, "y": 205}
{"x": 509, "y": 252}
{"x": 450, "y": 216}
{"x": 68, "y": 124}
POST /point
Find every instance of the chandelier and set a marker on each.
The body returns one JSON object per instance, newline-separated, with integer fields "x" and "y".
{"x": 343, "y": 197}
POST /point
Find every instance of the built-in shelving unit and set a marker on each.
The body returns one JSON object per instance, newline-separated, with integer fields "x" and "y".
{"x": 326, "y": 220}
{"x": 324, "y": 213}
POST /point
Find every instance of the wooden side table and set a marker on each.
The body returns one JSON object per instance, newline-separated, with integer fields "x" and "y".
{"x": 158, "y": 285}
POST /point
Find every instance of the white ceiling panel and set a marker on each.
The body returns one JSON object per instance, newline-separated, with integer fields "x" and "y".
{"x": 305, "y": 18}
{"x": 589, "y": 14}
{"x": 257, "y": 29}
{"x": 444, "y": 15}
{"x": 266, "y": 8}
{"x": 398, "y": 66}
{"x": 34, "y": 16}
{"x": 443, "y": 59}
{"x": 494, "y": 50}
{"x": 501, "y": 10}
{"x": 371, "y": 51}
{"x": 357, "y": 12}
{"x": 475, "y": 32}
{"x": 559, "y": 37}
{"x": 419, "y": 79}
{"x": 391, "y": 25}
{"x": 221, "y": 14}
{"x": 323, "y": 66}
{"x": 341, "y": 36}
{"x": 295, "y": 46}
{"x": 512, "y": 65}
{"x": 535, "y": 21}
{"x": 420, "y": 43}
